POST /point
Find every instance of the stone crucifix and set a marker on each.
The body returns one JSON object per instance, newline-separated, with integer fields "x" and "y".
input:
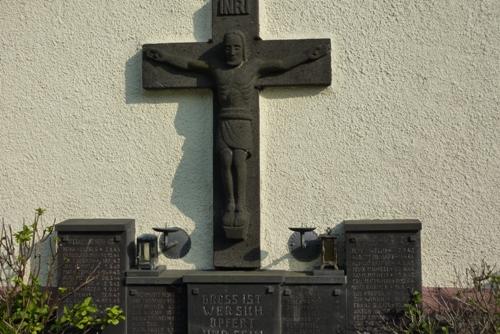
{"x": 236, "y": 64}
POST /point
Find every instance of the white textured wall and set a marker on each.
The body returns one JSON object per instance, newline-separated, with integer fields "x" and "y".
{"x": 409, "y": 128}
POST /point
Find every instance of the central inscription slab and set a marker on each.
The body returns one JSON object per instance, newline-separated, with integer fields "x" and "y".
{"x": 233, "y": 309}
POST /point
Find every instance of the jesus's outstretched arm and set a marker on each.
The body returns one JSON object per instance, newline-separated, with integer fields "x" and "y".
{"x": 287, "y": 63}
{"x": 179, "y": 62}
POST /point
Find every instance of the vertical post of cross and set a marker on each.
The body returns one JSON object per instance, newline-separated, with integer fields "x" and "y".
{"x": 243, "y": 16}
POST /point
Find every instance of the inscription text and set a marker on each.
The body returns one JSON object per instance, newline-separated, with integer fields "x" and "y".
{"x": 232, "y": 7}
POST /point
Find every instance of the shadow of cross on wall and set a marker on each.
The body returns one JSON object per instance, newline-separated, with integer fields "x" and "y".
{"x": 236, "y": 63}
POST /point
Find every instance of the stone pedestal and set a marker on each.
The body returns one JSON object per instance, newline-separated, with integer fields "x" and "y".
{"x": 381, "y": 258}
{"x": 229, "y": 302}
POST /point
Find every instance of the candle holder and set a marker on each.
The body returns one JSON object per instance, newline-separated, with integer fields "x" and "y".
{"x": 304, "y": 244}
{"x": 175, "y": 243}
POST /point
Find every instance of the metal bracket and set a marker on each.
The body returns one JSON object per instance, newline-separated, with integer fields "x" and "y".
{"x": 175, "y": 243}
{"x": 304, "y": 247}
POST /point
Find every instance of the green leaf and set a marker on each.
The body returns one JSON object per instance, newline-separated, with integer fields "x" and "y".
{"x": 40, "y": 211}
{"x": 24, "y": 235}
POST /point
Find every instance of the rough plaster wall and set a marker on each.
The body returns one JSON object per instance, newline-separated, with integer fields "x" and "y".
{"x": 408, "y": 129}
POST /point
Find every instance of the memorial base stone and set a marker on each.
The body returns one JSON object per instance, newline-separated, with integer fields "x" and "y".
{"x": 381, "y": 258}
{"x": 259, "y": 302}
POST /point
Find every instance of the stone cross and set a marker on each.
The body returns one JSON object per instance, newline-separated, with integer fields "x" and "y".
{"x": 236, "y": 63}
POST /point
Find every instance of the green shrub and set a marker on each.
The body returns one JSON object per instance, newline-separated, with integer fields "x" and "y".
{"x": 415, "y": 320}
{"x": 473, "y": 307}
{"x": 27, "y": 307}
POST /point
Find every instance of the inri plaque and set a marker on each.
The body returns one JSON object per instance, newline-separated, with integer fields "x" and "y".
{"x": 383, "y": 269}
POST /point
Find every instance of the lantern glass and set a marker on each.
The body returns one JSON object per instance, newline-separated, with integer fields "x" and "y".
{"x": 147, "y": 251}
{"x": 328, "y": 252}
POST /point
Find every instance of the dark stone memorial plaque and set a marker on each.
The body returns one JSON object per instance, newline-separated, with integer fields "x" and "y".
{"x": 234, "y": 305}
{"x": 100, "y": 247}
{"x": 383, "y": 269}
{"x": 236, "y": 64}
{"x": 314, "y": 305}
{"x": 156, "y": 309}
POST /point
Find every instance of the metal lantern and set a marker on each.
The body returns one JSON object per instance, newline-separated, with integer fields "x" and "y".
{"x": 328, "y": 251}
{"x": 147, "y": 251}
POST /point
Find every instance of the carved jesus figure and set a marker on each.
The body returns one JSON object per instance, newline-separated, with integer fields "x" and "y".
{"x": 234, "y": 85}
